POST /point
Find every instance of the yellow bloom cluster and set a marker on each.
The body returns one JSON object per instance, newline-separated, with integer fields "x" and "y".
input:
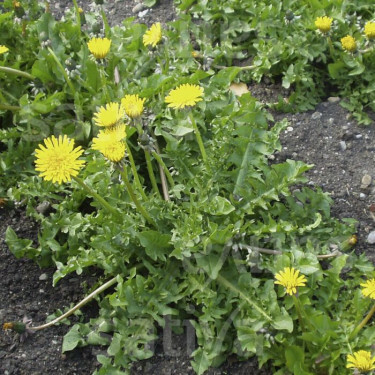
{"x": 153, "y": 35}
{"x": 133, "y": 105}
{"x": 185, "y": 95}
{"x": 3, "y": 49}
{"x": 110, "y": 143}
{"x": 99, "y": 47}
{"x": 324, "y": 23}
{"x": 349, "y": 43}
{"x": 289, "y": 278}
{"x": 57, "y": 160}
{"x": 370, "y": 30}
{"x": 369, "y": 288}
{"x": 361, "y": 360}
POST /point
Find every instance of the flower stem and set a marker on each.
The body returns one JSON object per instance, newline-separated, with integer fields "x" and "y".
{"x": 103, "y": 79}
{"x": 68, "y": 81}
{"x": 198, "y": 136}
{"x": 363, "y": 323}
{"x": 6, "y": 107}
{"x": 95, "y": 195}
{"x": 165, "y": 169}
{"x": 16, "y": 72}
{"x": 330, "y": 45}
{"x": 76, "y": 307}
{"x": 135, "y": 174}
{"x": 140, "y": 208}
{"x": 78, "y": 17}
{"x": 297, "y": 305}
{"x": 151, "y": 173}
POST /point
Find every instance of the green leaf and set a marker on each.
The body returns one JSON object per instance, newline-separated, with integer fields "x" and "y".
{"x": 283, "y": 322}
{"x": 295, "y": 358}
{"x": 219, "y": 206}
{"x": 201, "y": 361}
{"x": 156, "y": 245}
{"x": 19, "y": 246}
{"x": 72, "y": 339}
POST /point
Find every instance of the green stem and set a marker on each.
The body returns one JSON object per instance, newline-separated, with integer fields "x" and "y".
{"x": 135, "y": 173}
{"x": 67, "y": 79}
{"x": 78, "y": 306}
{"x": 140, "y": 208}
{"x": 16, "y": 72}
{"x": 363, "y": 323}
{"x": 78, "y": 17}
{"x": 95, "y": 195}
{"x": 232, "y": 287}
{"x": 6, "y": 107}
{"x": 198, "y": 136}
{"x": 165, "y": 169}
{"x": 299, "y": 312}
{"x": 104, "y": 83}
{"x": 151, "y": 173}
{"x": 330, "y": 45}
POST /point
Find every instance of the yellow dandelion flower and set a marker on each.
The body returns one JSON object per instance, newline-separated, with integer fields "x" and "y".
{"x": 289, "y": 278}
{"x": 361, "y": 361}
{"x": 153, "y": 35}
{"x": 369, "y": 288}
{"x": 184, "y": 96}
{"x": 370, "y": 30}
{"x": 349, "y": 43}
{"x": 110, "y": 144}
{"x": 324, "y": 23}
{"x": 3, "y": 49}
{"x": 99, "y": 47}
{"x": 80, "y": 10}
{"x": 133, "y": 105}
{"x": 110, "y": 115}
{"x": 57, "y": 160}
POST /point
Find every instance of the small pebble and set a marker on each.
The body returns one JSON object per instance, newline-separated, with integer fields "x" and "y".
{"x": 358, "y": 136}
{"x": 366, "y": 181}
{"x": 289, "y": 128}
{"x": 316, "y": 115}
{"x": 43, "y": 277}
{"x": 342, "y": 145}
{"x": 41, "y": 291}
{"x": 362, "y": 196}
{"x": 143, "y": 13}
{"x": 331, "y": 120}
{"x": 138, "y": 8}
{"x": 333, "y": 99}
{"x": 371, "y": 238}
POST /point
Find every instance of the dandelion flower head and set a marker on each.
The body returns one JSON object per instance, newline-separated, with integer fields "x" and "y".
{"x": 361, "y": 360}
{"x": 57, "y": 160}
{"x": 153, "y": 35}
{"x": 110, "y": 115}
{"x": 349, "y": 43}
{"x": 324, "y": 23}
{"x": 369, "y": 288}
{"x": 133, "y": 105}
{"x": 289, "y": 278}
{"x": 110, "y": 143}
{"x": 185, "y": 95}
{"x": 3, "y": 49}
{"x": 99, "y": 47}
{"x": 370, "y": 30}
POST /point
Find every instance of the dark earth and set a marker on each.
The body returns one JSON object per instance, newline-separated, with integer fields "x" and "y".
{"x": 344, "y": 157}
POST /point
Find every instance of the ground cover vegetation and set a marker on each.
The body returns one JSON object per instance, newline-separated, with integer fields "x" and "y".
{"x": 135, "y": 152}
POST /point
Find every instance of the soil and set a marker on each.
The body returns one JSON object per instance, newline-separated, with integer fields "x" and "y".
{"x": 342, "y": 152}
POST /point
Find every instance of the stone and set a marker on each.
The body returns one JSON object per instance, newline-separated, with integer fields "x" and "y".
{"x": 333, "y": 99}
{"x": 342, "y": 145}
{"x": 43, "y": 277}
{"x": 362, "y": 196}
{"x": 366, "y": 181}
{"x": 371, "y": 238}
{"x": 138, "y": 8}
{"x": 316, "y": 115}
